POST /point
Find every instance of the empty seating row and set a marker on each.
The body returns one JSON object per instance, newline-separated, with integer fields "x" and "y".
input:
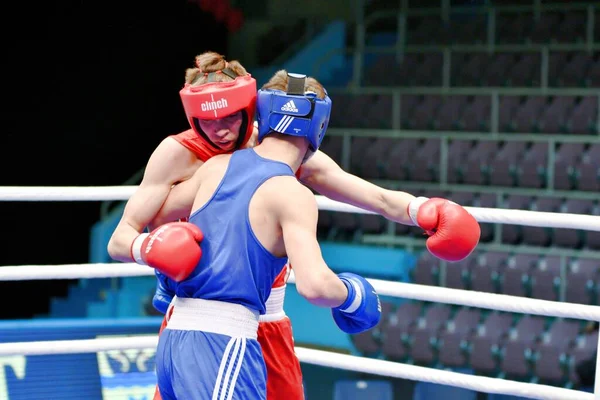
{"x": 521, "y": 164}
{"x": 511, "y": 28}
{"x": 474, "y": 162}
{"x": 565, "y": 69}
{"x": 491, "y": 343}
{"x": 526, "y": 114}
{"x": 525, "y": 275}
{"x": 510, "y": 69}
{"x": 337, "y": 226}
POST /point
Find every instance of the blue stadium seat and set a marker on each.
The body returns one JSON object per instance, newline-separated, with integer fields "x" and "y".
{"x": 427, "y": 391}
{"x": 363, "y": 390}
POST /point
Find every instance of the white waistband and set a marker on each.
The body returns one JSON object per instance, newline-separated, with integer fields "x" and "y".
{"x": 274, "y": 305}
{"x": 212, "y": 316}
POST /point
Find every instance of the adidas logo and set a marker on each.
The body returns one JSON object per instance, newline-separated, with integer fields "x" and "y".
{"x": 289, "y": 106}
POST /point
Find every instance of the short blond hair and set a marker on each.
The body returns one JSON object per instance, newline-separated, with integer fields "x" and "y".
{"x": 280, "y": 80}
{"x": 212, "y": 62}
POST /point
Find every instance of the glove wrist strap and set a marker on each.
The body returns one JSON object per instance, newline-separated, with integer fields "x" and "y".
{"x": 354, "y": 297}
{"x": 136, "y": 248}
{"x": 413, "y": 208}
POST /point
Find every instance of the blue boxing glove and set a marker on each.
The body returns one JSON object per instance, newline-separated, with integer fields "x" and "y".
{"x": 163, "y": 295}
{"x": 362, "y": 309}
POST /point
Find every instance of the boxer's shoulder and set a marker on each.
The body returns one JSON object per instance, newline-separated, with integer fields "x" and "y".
{"x": 215, "y": 164}
{"x": 195, "y": 144}
{"x": 173, "y": 162}
{"x": 173, "y": 146}
{"x": 185, "y": 135}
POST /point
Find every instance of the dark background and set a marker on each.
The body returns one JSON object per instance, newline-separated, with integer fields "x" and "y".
{"x": 89, "y": 90}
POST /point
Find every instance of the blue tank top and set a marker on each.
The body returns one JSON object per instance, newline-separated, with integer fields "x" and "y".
{"x": 235, "y": 267}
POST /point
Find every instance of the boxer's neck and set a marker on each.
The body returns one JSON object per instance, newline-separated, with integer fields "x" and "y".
{"x": 287, "y": 149}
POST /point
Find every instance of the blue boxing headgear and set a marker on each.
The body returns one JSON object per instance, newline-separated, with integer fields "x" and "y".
{"x": 295, "y": 113}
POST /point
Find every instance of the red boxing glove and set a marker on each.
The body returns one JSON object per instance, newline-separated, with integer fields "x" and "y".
{"x": 173, "y": 249}
{"x": 454, "y": 233}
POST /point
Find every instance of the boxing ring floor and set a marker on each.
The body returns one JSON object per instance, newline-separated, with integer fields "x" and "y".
{"x": 311, "y": 356}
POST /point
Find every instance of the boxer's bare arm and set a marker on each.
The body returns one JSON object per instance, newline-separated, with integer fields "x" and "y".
{"x": 323, "y": 175}
{"x": 169, "y": 163}
{"x": 178, "y": 204}
{"x": 183, "y": 197}
{"x": 297, "y": 212}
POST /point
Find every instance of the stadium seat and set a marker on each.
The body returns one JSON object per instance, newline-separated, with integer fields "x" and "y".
{"x": 515, "y": 362}
{"x": 395, "y": 335}
{"x": 550, "y": 352}
{"x": 363, "y": 390}
{"x": 427, "y": 270}
{"x": 582, "y": 275}
{"x": 423, "y": 334}
{"x": 585, "y": 347}
{"x": 546, "y": 279}
{"x": 485, "y": 344}
{"x": 369, "y": 342}
{"x": 452, "y": 341}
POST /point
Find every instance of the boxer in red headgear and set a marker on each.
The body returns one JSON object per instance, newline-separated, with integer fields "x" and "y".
{"x": 209, "y": 103}
{"x": 219, "y": 99}
{"x": 454, "y": 233}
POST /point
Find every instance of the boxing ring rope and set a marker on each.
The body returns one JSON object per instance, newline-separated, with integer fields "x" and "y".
{"x": 322, "y": 358}
{"x": 317, "y": 357}
{"x": 489, "y": 215}
{"x": 328, "y": 359}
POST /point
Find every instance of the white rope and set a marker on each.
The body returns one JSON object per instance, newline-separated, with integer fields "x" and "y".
{"x": 490, "y": 215}
{"x": 490, "y": 301}
{"x": 413, "y": 291}
{"x": 72, "y": 271}
{"x": 318, "y": 357}
{"x": 536, "y": 218}
{"x": 396, "y": 289}
{"x": 441, "y": 377}
{"x": 79, "y": 346}
{"x": 65, "y": 193}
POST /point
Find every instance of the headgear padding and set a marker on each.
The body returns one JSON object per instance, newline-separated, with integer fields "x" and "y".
{"x": 295, "y": 113}
{"x": 216, "y": 100}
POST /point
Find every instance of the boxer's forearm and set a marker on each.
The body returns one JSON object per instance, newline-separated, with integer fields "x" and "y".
{"x": 298, "y": 216}
{"x": 394, "y": 205}
{"x": 322, "y": 174}
{"x": 140, "y": 210}
{"x": 119, "y": 246}
{"x": 323, "y": 290}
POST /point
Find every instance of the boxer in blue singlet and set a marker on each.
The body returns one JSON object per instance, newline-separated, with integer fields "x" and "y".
{"x": 250, "y": 216}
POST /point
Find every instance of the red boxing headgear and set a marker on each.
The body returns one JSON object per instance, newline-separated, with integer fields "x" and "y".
{"x": 216, "y": 100}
